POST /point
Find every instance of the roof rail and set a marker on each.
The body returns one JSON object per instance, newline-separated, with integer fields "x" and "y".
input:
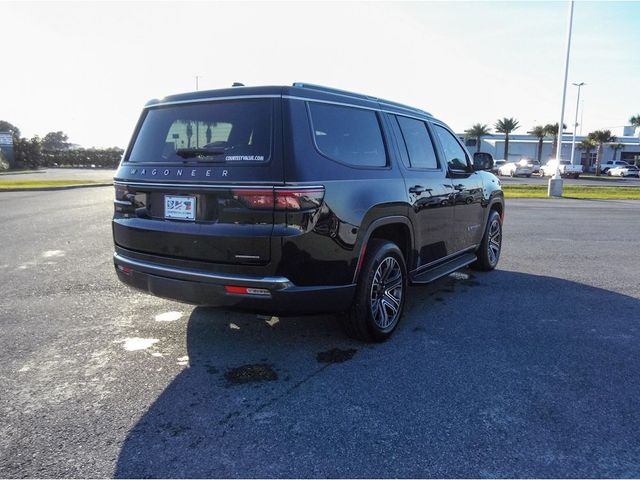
{"x": 337, "y": 91}
{"x": 346, "y": 93}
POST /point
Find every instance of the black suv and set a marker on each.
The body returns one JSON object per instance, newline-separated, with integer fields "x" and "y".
{"x": 301, "y": 199}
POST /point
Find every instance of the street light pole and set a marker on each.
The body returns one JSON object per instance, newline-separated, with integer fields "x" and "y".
{"x": 575, "y": 124}
{"x": 197, "y": 78}
{"x": 555, "y": 182}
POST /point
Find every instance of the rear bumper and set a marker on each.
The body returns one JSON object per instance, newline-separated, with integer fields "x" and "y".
{"x": 208, "y": 289}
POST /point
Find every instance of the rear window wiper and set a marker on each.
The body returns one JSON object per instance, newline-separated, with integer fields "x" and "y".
{"x": 201, "y": 152}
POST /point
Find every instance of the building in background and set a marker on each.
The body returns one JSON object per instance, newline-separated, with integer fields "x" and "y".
{"x": 626, "y": 147}
{"x": 6, "y": 147}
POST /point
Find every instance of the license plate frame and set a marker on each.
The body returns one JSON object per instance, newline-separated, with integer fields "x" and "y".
{"x": 180, "y": 207}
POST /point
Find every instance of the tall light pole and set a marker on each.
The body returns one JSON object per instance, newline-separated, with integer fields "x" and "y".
{"x": 575, "y": 123}
{"x": 197, "y": 78}
{"x": 555, "y": 182}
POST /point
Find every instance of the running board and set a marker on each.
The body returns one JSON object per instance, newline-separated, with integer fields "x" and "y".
{"x": 444, "y": 269}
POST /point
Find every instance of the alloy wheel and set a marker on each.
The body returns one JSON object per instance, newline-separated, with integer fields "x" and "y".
{"x": 495, "y": 241}
{"x": 386, "y": 293}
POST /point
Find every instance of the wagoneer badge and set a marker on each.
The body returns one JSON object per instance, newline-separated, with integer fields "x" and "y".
{"x": 178, "y": 172}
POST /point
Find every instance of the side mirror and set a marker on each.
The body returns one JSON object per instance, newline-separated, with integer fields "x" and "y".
{"x": 482, "y": 161}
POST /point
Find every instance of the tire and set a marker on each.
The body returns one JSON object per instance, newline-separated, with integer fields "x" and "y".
{"x": 378, "y": 305}
{"x": 512, "y": 174}
{"x": 489, "y": 251}
{"x": 528, "y": 176}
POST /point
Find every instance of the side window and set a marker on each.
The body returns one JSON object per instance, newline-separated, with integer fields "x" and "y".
{"x": 348, "y": 135}
{"x": 453, "y": 153}
{"x": 418, "y": 143}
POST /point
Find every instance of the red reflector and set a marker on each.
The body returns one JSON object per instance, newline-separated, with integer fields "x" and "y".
{"x": 247, "y": 290}
{"x": 239, "y": 290}
{"x": 124, "y": 269}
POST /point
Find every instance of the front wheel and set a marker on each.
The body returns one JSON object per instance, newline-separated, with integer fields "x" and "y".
{"x": 491, "y": 245}
{"x": 380, "y": 293}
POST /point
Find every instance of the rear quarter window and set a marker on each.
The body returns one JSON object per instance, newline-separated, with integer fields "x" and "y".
{"x": 348, "y": 135}
{"x": 223, "y": 131}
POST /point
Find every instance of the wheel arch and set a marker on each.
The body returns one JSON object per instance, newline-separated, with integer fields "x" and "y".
{"x": 397, "y": 229}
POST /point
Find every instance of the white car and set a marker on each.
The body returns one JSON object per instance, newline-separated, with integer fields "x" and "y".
{"x": 514, "y": 169}
{"x": 567, "y": 169}
{"x": 624, "y": 171}
{"x": 606, "y": 166}
{"x": 497, "y": 164}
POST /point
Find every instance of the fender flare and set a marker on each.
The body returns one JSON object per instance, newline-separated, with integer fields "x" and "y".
{"x": 380, "y": 222}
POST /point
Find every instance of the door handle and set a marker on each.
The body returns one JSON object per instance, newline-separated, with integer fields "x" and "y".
{"x": 417, "y": 189}
{"x": 459, "y": 187}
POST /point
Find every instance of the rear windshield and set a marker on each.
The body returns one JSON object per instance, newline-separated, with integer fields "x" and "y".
{"x": 224, "y": 131}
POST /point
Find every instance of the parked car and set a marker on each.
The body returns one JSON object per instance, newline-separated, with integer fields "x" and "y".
{"x": 534, "y": 164}
{"x": 624, "y": 171}
{"x": 497, "y": 164}
{"x": 606, "y": 166}
{"x": 514, "y": 169}
{"x": 297, "y": 200}
{"x": 567, "y": 169}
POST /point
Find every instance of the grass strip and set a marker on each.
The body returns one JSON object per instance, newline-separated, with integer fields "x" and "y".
{"x": 10, "y": 184}
{"x": 594, "y": 192}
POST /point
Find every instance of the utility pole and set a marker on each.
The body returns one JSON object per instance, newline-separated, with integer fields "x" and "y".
{"x": 555, "y": 182}
{"x": 575, "y": 123}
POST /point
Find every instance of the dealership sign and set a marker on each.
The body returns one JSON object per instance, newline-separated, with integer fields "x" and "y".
{"x": 6, "y": 138}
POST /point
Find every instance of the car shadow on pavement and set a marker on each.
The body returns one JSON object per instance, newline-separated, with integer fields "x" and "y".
{"x": 502, "y": 374}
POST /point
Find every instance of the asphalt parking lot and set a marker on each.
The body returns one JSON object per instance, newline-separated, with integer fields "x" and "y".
{"x": 528, "y": 371}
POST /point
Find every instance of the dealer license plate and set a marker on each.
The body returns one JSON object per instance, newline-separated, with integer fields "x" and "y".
{"x": 181, "y": 207}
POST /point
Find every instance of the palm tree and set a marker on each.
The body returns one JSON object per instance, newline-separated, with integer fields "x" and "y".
{"x": 506, "y": 126}
{"x": 540, "y": 132}
{"x": 635, "y": 121}
{"x": 600, "y": 137}
{"x": 587, "y": 145}
{"x": 615, "y": 147}
{"x": 478, "y": 131}
{"x": 552, "y": 129}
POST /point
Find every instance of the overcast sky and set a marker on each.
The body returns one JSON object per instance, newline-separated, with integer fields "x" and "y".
{"x": 87, "y": 68}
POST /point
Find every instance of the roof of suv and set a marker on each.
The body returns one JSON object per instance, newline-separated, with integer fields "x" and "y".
{"x": 297, "y": 90}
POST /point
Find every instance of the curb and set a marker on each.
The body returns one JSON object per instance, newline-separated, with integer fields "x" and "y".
{"x": 22, "y": 172}
{"x": 51, "y": 189}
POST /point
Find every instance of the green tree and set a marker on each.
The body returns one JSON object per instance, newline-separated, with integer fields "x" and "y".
{"x": 55, "y": 141}
{"x": 506, "y": 125}
{"x": 540, "y": 132}
{"x": 552, "y": 129}
{"x": 615, "y": 147}
{"x": 478, "y": 131}
{"x": 28, "y": 153}
{"x": 600, "y": 137}
{"x": 587, "y": 145}
{"x": 8, "y": 127}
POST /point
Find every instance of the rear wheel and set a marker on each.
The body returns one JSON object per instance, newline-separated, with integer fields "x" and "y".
{"x": 380, "y": 293}
{"x": 491, "y": 245}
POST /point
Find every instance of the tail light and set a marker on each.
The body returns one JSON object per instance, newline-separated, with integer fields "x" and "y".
{"x": 293, "y": 199}
{"x": 123, "y": 201}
